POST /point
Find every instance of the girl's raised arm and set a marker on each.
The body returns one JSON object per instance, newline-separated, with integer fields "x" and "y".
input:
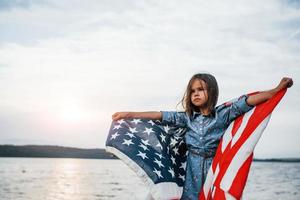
{"x": 155, "y": 115}
{"x": 265, "y": 95}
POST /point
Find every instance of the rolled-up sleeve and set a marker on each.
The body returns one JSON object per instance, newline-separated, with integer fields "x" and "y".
{"x": 230, "y": 111}
{"x": 174, "y": 118}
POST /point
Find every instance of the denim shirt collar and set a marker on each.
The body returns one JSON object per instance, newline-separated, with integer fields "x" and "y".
{"x": 195, "y": 114}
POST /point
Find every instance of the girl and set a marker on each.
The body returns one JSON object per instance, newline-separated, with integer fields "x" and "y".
{"x": 205, "y": 123}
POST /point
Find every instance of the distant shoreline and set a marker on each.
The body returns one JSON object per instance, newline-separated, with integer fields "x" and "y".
{"x": 52, "y": 151}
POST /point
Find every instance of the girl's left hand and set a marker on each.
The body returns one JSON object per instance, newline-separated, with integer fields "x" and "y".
{"x": 285, "y": 83}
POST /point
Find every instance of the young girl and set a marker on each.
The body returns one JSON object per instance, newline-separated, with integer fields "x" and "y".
{"x": 205, "y": 123}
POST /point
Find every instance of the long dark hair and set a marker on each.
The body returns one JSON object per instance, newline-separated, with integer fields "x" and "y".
{"x": 212, "y": 91}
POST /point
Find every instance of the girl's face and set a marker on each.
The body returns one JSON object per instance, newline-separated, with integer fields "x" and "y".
{"x": 199, "y": 93}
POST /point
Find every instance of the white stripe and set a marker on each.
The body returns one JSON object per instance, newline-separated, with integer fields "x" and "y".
{"x": 242, "y": 155}
{"x": 166, "y": 191}
{"x": 227, "y": 136}
{"x": 213, "y": 192}
{"x": 239, "y": 132}
{"x": 210, "y": 179}
{"x": 229, "y": 197}
{"x": 216, "y": 173}
{"x": 208, "y": 182}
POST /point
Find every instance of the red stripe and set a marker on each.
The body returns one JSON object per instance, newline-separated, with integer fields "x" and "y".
{"x": 217, "y": 157}
{"x": 240, "y": 179}
{"x": 223, "y": 164}
{"x": 219, "y": 194}
{"x": 236, "y": 125}
{"x": 202, "y": 196}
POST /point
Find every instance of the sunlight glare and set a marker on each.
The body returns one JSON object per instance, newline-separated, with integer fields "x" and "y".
{"x": 71, "y": 112}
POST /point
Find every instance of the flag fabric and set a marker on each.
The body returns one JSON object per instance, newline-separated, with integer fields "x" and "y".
{"x": 157, "y": 153}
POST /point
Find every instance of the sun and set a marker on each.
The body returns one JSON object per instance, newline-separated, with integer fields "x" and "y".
{"x": 71, "y": 113}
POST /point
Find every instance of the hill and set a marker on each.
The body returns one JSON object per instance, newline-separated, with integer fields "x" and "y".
{"x": 49, "y": 151}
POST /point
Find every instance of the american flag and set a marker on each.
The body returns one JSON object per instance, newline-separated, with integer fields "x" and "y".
{"x": 157, "y": 153}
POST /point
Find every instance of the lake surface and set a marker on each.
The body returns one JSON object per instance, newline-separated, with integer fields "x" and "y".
{"x": 80, "y": 179}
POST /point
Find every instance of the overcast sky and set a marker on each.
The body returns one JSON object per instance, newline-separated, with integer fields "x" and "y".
{"x": 67, "y": 66}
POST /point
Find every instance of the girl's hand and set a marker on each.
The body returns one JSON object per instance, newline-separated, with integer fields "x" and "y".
{"x": 285, "y": 83}
{"x": 120, "y": 115}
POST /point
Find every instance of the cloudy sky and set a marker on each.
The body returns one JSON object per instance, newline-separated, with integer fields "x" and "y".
{"x": 67, "y": 66}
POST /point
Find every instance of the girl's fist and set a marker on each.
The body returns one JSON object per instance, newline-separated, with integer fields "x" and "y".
{"x": 285, "y": 83}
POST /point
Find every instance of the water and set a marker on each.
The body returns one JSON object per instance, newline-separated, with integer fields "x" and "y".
{"x": 51, "y": 178}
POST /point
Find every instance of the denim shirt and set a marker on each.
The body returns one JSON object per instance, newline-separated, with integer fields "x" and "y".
{"x": 203, "y": 133}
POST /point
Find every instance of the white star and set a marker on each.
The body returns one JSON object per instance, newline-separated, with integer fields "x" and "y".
{"x": 136, "y": 121}
{"x": 132, "y": 130}
{"x": 158, "y": 162}
{"x": 143, "y": 155}
{"x": 144, "y": 147}
{"x": 158, "y": 173}
{"x": 175, "y": 150}
{"x": 171, "y": 172}
{"x": 121, "y": 121}
{"x": 173, "y": 160}
{"x": 130, "y": 135}
{"x": 159, "y": 155}
{"x": 166, "y": 128}
{"x": 173, "y": 142}
{"x": 117, "y": 126}
{"x": 145, "y": 142}
{"x": 159, "y": 145}
{"x": 114, "y": 136}
{"x": 163, "y": 137}
{"x": 182, "y": 177}
{"x": 151, "y": 122}
{"x": 148, "y": 131}
{"x": 183, "y": 165}
{"x": 127, "y": 142}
